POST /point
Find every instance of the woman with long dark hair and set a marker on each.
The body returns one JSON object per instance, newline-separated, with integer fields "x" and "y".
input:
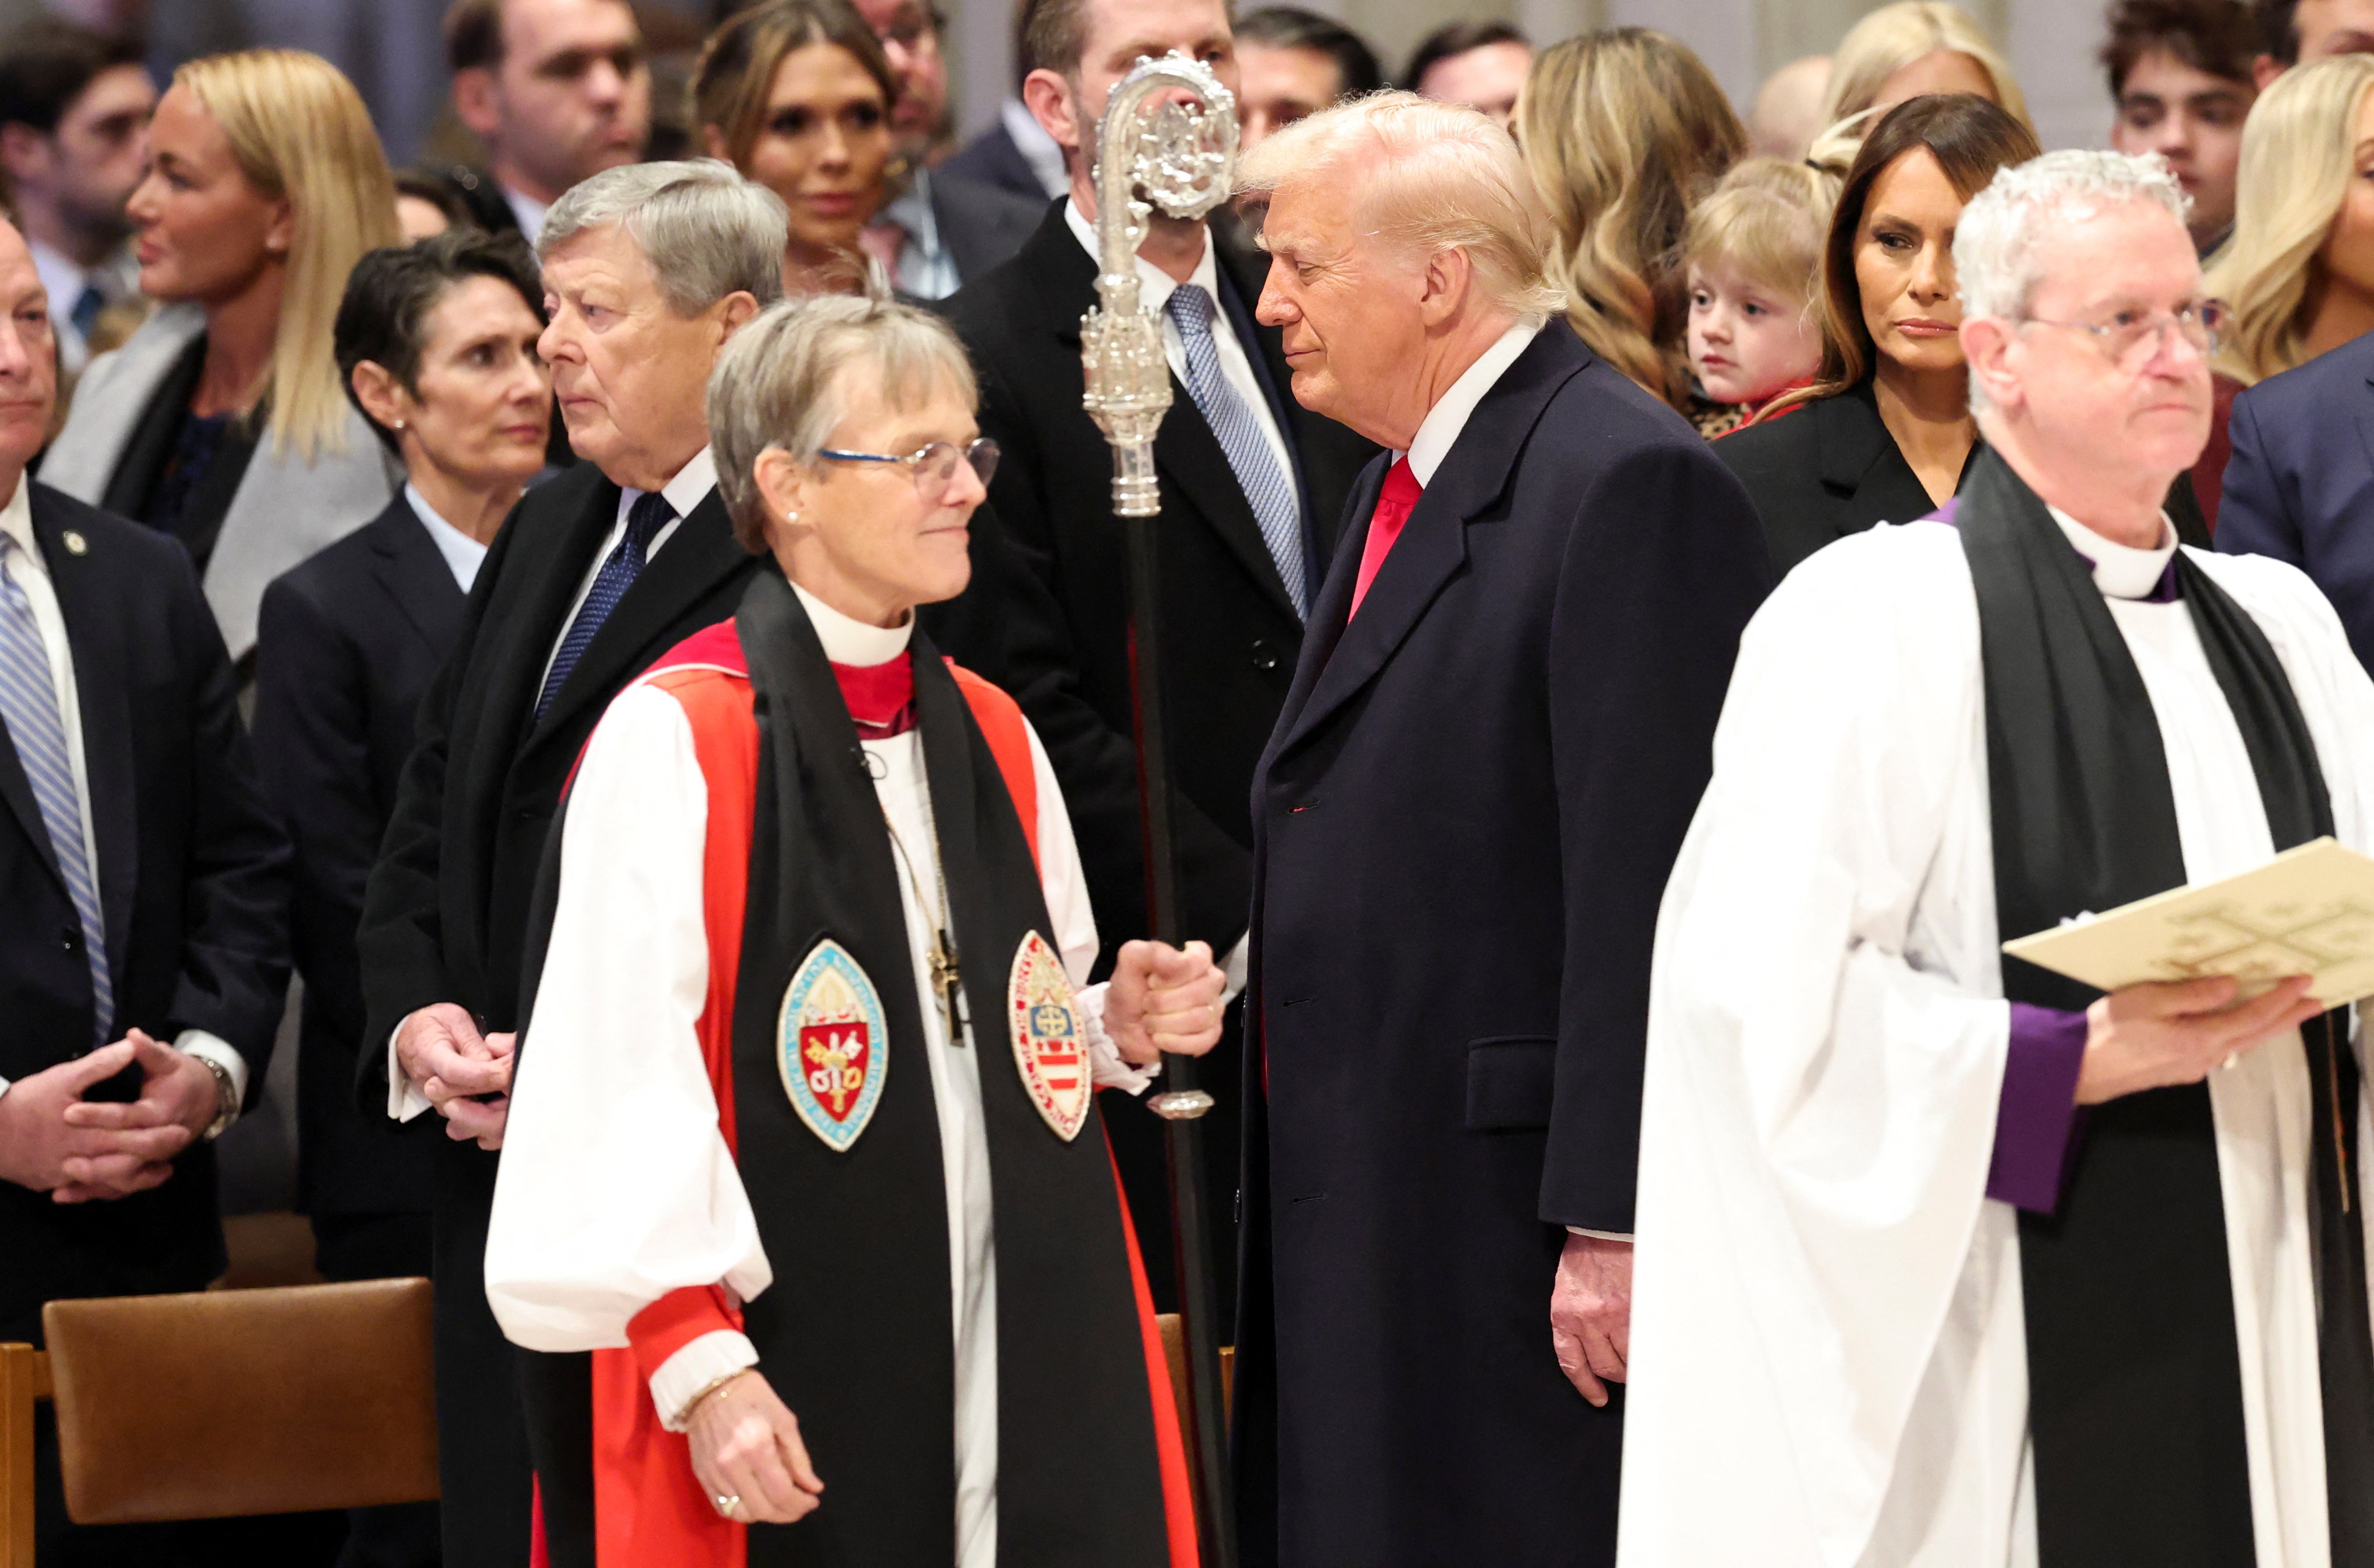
{"x": 1884, "y": 434}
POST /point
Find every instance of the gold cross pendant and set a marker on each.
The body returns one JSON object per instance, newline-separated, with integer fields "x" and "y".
{"x": 948, "y": 984}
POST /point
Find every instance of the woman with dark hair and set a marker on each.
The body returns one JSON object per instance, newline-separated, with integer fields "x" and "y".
{"x": 1884, "y": 434}
{"x": 796, "y": 94}
{"x": 435, "y": 343}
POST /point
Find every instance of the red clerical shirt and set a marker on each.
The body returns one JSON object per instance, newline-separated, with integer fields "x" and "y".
{"x": 1394, "y": 502}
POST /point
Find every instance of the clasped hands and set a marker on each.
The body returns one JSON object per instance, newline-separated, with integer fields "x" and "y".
{"x": 77, "y": 1151}
{"x": 440, "y": 1049}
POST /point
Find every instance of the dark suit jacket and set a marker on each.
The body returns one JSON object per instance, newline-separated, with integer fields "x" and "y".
{"x": 980, "y": 225}
{"x": 1829, "y": 468}
{"x": 346, "y": 643}
{"x": 2300, "y": 484}
{"x": 992, "y": 159}
{"x": 193, "y": 885}
{"x": 1048, "y": 612}
{"x": 445, "y": 911}
{"x": 479, "y": 194}
{"x": 1462, "y": 828}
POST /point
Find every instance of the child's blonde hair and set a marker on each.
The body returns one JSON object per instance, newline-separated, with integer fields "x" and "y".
{"x": 1767, "y": 218}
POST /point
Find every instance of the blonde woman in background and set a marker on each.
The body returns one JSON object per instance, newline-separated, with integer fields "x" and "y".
{"x": 1623, "y": 130}
{"x": 2297, "y": 274}
{"x": 796, "y": 94}
{"x": 1915, "y": 47}
{"x": 222, "y": 421}
{"x": 1752, "y": 258}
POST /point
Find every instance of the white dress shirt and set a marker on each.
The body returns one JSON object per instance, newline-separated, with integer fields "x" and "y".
{"x": 617, "y": 1185}
{"x": 527, "y": 210}
{"x": 464, "y": 556}
{"x": 1439, "y": 431}
{"x": 30, "y": 572}
{"x": 690, "y": 487}
{"x": 1155, "y": 288}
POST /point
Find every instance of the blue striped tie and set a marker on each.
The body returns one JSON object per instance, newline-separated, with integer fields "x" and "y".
{"x": 28, "y": 708}
{"x": 1250, "y": 455}
{"x": 650, "y": 513}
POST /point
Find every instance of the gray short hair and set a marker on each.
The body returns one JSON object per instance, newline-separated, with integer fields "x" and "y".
{"x": 782, "y": 383}
{"x": 1994, "y": 243}
{"x": 706, "y": 231}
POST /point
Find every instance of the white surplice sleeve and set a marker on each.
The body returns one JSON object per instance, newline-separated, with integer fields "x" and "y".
{"x": 1826, "y": 1042}
{"x": 1066, "y": 888}
{"x": 616, "y": 1185}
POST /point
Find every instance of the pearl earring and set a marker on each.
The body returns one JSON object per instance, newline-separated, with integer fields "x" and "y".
{"x": 399, "y": 424}
{"x": 791, "y": 517}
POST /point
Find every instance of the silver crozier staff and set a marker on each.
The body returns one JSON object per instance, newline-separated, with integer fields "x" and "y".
{"x": 1169, "y": 137}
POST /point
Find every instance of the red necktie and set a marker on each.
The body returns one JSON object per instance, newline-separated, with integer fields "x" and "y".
{"x": 1393, "y": 505}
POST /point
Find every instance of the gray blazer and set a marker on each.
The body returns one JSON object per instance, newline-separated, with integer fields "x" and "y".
{"x": 286, "y": 509}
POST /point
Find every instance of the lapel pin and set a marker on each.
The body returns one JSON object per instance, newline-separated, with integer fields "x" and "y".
{"x": 74, "y": 542}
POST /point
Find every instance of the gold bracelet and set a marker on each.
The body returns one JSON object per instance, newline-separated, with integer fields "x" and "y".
{"x": 714, "y": 1386}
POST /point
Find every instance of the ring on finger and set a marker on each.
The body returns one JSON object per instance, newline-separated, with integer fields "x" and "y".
{"x": 726, "y": 1503}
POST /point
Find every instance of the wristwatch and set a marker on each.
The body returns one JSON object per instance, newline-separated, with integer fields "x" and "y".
{"x": 225, "y": 1095}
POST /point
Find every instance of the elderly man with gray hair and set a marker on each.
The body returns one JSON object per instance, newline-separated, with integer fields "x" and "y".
{"x": 1945, "y": 1259}
{"x": 649, "y": 269}
{"x": 1484, "y": 768}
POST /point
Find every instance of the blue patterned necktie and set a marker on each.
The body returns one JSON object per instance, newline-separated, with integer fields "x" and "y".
{"x": 87, "y": 306}
{"x": 29, "y": 706}
{"x": 1250, "y": 455}
{"x": 650, "y": 513}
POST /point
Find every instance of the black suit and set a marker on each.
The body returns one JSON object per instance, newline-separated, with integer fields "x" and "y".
{"x": 1830, "y": 468}
{"x": 193, "y": 880}
{"x": 445, "y": 913}
{"x": 1048, "y": 616}
{"x": 480, "y": 195}
{"x": 980, "y": 225}
{"x": 192, "y": 889}
{"x": 347, "y": 644}
{"x": 992, "y": 159}
{"x": 1464, "y": 826}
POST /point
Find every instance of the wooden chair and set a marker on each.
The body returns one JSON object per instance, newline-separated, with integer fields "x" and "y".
{"x": 223, "y": 1403}
{"x": 1174, "y": 1350}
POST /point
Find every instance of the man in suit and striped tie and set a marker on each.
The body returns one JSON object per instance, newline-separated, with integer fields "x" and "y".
{"x": 143, "y": 888}
{"x": 650, "y": 268}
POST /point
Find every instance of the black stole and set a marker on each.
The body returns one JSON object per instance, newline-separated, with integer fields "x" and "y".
{"x": 856, "y": 1331}
{"x": 2134, "y": 1385}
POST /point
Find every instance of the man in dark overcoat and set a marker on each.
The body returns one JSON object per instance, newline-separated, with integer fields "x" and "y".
{"x": 1496, "y": 731}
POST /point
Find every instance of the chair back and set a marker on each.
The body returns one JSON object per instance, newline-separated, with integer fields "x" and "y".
{"x": 24, "y": 1382}
{"x": 230, "y": 1402}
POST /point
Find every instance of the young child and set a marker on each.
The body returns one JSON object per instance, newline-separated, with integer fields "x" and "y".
{"x": 1754, "y": 255}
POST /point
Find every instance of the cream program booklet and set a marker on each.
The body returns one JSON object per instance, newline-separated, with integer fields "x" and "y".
{"x": 2307, "y": 911}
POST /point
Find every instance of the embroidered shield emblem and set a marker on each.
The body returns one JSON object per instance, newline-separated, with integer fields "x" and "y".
{"x": 832, "y": 1045}
{"x": 1049, "y": 1045}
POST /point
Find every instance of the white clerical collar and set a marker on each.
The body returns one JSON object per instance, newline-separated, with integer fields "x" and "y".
{"x": 849, "y": 642}
{"x": 2121, "y": 571}
{"x": 1439, "y": 430}
{"x": 1155, "y": 286}
{"x": 463, "y": 554}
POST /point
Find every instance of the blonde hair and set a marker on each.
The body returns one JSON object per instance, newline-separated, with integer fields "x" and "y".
{"x": 1445, "y": 178}
{"x": 1893, "y": 37}
{"x": 1768, "y": 218}
{"x": 1624, "y": 130}
{"x": 2299, "y": 154}
{"x": 300, "y": 134}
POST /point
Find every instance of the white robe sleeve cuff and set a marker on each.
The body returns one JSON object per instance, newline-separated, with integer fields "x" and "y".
{"x": 1108, "y": 1068}
{"x": 223, "y": 1053}
{"x": 699, "y": 1362}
